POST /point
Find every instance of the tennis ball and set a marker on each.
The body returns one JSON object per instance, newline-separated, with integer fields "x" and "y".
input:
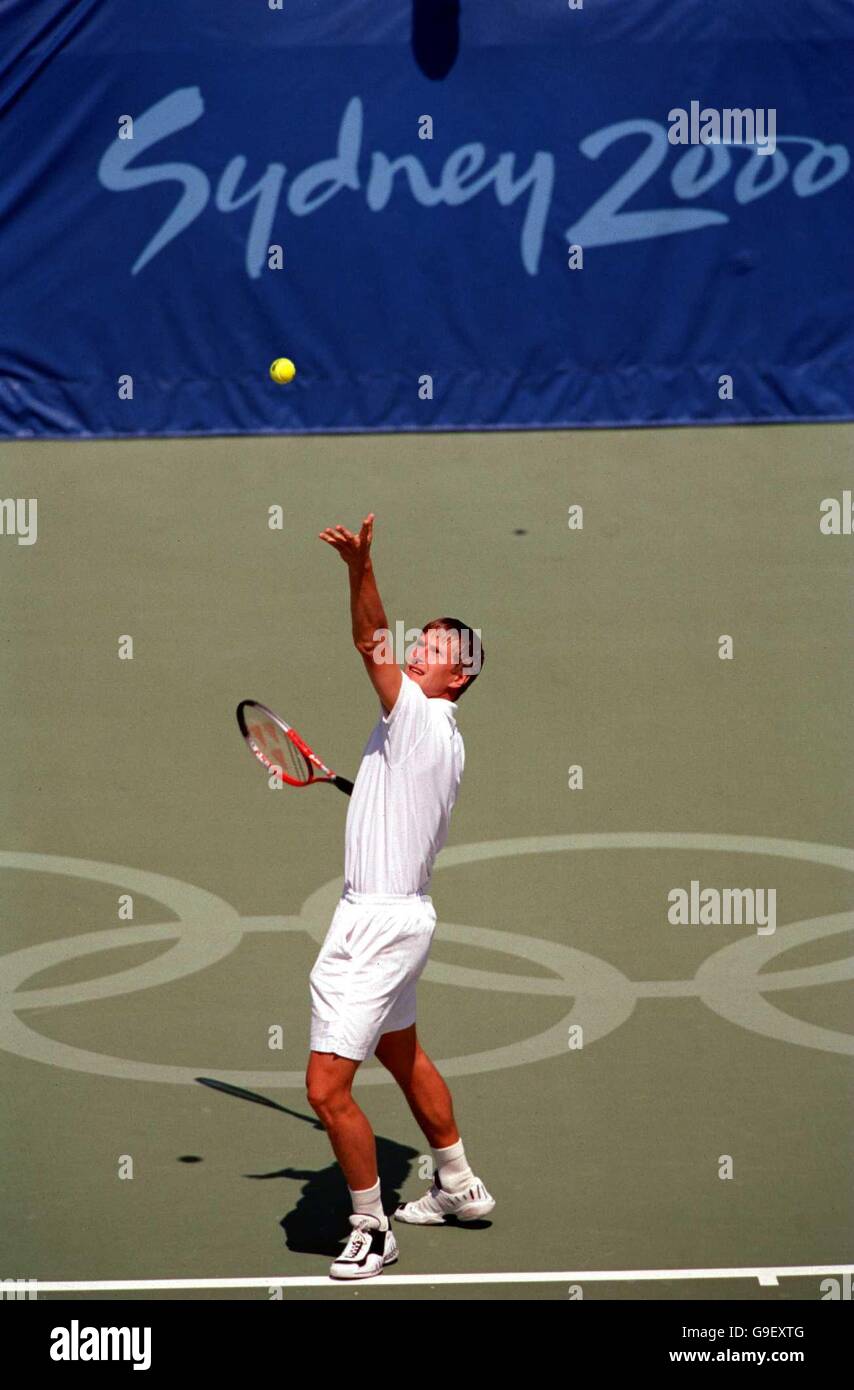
{"x": 283, "y": 370}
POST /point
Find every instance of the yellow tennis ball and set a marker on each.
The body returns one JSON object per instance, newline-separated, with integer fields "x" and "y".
{"x": 283, "y": 370}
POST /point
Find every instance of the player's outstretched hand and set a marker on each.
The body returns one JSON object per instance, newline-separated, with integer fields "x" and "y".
{"x": 354, "y": 550}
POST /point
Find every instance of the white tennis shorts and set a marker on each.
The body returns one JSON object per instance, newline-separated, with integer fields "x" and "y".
{"x": 363, "y": 981}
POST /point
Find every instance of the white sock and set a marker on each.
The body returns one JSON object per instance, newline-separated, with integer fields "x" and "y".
{"x": 366, "y": 1202}
{"x": 452, "y": 1166}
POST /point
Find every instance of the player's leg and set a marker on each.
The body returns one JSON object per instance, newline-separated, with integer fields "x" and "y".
{"x": 424, "y": 1087}
{"x": 341, "y": 1034}
{"x": 456, "y": 1190}
{"x": 329, "y": 1080}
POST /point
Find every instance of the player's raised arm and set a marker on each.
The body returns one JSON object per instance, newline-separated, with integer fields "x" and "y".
{"x": 370, "y": 624}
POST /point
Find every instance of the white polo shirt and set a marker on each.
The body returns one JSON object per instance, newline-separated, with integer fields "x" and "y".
{"x": 403, "y": 796}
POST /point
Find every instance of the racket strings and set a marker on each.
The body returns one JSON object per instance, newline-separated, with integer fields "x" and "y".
{"x": 296, "y": 766}
{"x": 281, "y": 751}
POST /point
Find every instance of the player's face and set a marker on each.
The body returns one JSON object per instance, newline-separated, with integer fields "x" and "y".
{"x": 434, "y": 663}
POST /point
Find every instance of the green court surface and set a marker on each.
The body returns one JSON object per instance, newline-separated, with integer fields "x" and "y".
{"x": 703, "y": 1044}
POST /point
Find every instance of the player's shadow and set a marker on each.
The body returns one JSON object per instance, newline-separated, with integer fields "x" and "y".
{"x": 316, "y": 1225}
{"x": 318, "y": 1222}
{"x": 435, "y": 36}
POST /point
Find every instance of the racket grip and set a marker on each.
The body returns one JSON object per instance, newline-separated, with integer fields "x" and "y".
{"x": 343, "y": 785}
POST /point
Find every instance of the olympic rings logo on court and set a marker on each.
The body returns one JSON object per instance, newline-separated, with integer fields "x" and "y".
{"x": 209, "y": 929}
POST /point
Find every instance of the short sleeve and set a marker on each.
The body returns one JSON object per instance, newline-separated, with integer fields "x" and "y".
{"x": 408, "y": 721}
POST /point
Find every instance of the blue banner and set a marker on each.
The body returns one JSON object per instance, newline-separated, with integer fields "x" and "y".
{"x": 473, "y": 215}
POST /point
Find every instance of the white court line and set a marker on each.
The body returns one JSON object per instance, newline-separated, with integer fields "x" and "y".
{"x": 767, "y": 1276}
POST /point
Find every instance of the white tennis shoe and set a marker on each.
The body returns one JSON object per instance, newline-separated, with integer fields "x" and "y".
{"x": 469, "y": 1203}
{"x": 367, "y": 1252}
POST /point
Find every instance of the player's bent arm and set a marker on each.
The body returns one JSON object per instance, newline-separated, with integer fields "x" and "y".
{"x": 371, "y": 635}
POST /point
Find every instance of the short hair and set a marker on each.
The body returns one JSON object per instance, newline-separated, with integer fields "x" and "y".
{"x": 471, "y": 648}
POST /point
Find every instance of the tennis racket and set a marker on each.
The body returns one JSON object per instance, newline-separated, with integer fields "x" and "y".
{"x": 277, "y": 746}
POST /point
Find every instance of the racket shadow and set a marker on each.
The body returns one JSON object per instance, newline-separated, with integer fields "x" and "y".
{"x": 256, "y": 1099}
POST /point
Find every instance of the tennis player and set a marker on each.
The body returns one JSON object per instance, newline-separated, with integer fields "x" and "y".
{"x": 363, "y": 981}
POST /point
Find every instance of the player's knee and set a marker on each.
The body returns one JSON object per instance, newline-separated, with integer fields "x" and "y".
{"x": 325, "y": 1096}
{"x": 315, "y": 1094}
{"x": 317, "y": 1090}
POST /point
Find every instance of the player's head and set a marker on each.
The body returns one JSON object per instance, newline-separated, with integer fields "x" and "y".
{"x": 446, "y": 658}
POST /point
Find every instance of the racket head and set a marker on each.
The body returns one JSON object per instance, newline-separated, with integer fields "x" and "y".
{"x": 277, "y": 746}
